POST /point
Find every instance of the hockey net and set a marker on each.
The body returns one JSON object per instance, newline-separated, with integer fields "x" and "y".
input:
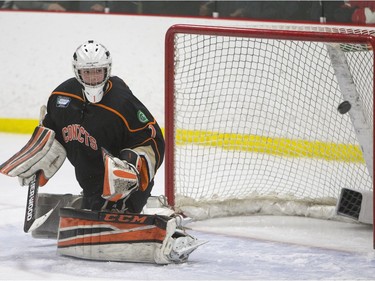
{"x": 252, "y": 124}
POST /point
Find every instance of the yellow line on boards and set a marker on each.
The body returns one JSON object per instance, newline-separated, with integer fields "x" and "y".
{"x": 19, "y": 126}
{"x": 274, "y": 146}
{"x": 248, "y": 143}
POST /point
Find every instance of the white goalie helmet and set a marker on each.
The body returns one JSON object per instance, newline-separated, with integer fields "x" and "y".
{"x": 92, "y": 64}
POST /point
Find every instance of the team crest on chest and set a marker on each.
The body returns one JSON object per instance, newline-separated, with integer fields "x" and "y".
{"x": 62, "y": 101}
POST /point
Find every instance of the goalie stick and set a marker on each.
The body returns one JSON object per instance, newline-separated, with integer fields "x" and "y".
{"x": 38, "y": 160}
{"x": 31, "y": 222}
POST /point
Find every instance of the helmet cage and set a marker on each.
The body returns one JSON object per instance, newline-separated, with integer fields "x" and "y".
{"x": 92, "y": 83}
{"x": 92, "y": 55}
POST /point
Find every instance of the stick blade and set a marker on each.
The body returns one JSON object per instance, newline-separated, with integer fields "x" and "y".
{"x": 31, "y": 222}
{"x": 38, "y": 222}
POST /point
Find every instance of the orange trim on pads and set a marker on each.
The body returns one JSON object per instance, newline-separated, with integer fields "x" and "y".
{"x": 35, "y": 145}
{"x": 77, "y": 232}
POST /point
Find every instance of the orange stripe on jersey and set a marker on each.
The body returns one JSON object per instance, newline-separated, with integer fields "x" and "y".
{"x": 123, "y": 118}
{"x": 79, "y": 98}
{"x": 107, "y": 107}
{"x": 108, "y": 88}
{"x": 156, "y": 147}
{"x": 68, "y": 95}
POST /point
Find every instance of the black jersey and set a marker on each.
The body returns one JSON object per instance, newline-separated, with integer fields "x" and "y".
{"x": 118, "y": 121}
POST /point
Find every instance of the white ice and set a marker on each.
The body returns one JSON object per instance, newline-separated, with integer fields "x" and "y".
{"x": 239, "y": 248}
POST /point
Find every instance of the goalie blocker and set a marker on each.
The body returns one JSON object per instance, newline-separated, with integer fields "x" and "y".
{"x": 41, "y": 153}
{"x": 113, "y": 236}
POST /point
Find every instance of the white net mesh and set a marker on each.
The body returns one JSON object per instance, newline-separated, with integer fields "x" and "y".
{"x": 257, "y": 118}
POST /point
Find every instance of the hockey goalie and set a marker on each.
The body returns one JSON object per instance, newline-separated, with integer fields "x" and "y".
{"x": 115, "y": 146}
{"x": 111, "y": 235}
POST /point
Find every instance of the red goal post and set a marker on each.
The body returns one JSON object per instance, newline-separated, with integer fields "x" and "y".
{"x": 289, "y": 79}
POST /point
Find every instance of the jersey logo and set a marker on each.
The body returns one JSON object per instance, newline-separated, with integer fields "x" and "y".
{"x": 142, "y": 117}
{"x": 63, "y": 101}
{"x": 78, "y": 133}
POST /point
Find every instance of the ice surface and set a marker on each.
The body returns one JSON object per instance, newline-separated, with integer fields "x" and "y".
{"x": 239, "y": 248}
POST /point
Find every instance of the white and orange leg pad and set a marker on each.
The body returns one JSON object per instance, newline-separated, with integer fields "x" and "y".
{"x": 42, "y": 152}
{"x": 125, "y": 237}
{"x": 121, "y": 178}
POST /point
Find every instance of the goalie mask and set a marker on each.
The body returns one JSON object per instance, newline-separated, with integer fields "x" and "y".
{"x": 92, "y": 64}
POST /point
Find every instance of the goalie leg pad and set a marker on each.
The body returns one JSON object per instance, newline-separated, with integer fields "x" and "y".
{"x": 122, "y": 237}
{"x": 110, "y": 236}
{"x": 42, "y": 152}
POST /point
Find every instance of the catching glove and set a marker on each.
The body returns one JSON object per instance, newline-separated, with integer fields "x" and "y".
{"x": 121, "y": 177}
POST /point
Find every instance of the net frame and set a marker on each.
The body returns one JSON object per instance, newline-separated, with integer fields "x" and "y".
{"x": 318, "y": 35}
